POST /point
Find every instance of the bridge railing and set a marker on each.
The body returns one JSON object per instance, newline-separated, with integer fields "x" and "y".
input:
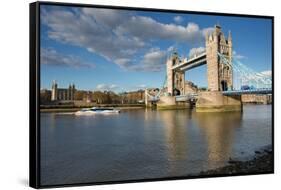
{"x": 250, "y": 91}
{"x": 186, "y": 97}
{"x": 153, "y": 99}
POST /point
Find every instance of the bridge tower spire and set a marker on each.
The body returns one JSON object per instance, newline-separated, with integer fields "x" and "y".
{"x": 219, "y": 75}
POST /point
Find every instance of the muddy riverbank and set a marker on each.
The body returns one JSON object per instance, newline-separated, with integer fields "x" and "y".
{"x": 262, "y": 162}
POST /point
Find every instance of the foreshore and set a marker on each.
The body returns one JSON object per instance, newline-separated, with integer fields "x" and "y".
{"x": 262, "y": 162}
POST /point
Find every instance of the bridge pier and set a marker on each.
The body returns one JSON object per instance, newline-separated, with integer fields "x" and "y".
{"x": 215, "y": 101}
{"x": 169, "y": 102}
{"x": 150, "y": 104}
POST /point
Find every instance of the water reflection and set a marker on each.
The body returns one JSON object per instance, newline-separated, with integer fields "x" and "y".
{"x": 175, "y": 129}
{"x": 214, "y": 131}
{"x": 219, "y": 131}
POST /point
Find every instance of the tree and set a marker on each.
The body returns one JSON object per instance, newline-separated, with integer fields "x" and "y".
{"x": 80, "y": 95}
{"x": 100, "y": 97}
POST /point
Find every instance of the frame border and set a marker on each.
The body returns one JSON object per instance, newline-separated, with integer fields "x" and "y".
{"x": 34, "y": 92}
{"x": 34, "y": 99}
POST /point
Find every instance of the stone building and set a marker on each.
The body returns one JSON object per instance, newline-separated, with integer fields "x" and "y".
{"x": 62, "y": 94}
{"x": 190, "y": 88}
{"x": 45, "y": 96}
{"x": 133, "y": 97}
{"x": 219, "y": 75}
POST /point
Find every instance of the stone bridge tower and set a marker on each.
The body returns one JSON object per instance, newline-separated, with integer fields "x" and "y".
{"x": 219, "y": 75}
{"x": 175, "y": 79}
{"x": 54, "y": 95}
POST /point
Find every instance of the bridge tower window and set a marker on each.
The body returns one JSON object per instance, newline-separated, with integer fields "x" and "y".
{"x": 226, "y": 71}
{"x": 224, "y": 85}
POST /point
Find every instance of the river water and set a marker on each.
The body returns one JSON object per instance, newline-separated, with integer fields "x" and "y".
{"x": 144, "y": 143}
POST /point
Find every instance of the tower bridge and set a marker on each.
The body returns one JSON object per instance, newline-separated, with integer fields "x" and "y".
{"x": 219, "y": 75}
{"x": 222, "y": 72}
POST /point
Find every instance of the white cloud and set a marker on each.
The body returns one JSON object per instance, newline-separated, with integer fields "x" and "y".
{"x": 89, "y": 29}
{"x": 238, "y": 56}
{"x": 146, "y": 29}
{"x": 117, "y": 35}
{"x": 178, "y": 19}
{"x": 108, "y": 87}
{"x": 50, "y": 56}
{"x": 142, "y": 86}
{"x": 123, "y": 62}
{"x": 196, "y": 51}
{"x": 171, "y": 48}
{"x": 267, "y": 73}
{"x": 107, "y": 17}
{"x": 207, "y": 31}
{"x": 154, "y": 61}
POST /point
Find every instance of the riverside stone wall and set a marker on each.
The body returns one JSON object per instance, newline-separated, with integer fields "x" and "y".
{"x": 217, "y": 102}
{"x": 257, "y": 98}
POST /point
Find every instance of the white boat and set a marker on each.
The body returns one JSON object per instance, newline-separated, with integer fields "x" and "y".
{"x": 97, "y": 110}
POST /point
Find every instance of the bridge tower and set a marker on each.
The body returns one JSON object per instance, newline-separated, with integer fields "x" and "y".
{"x": 219, "y": 75}
{"x": 175, "y": 79}
{"x": 54, "y": 96}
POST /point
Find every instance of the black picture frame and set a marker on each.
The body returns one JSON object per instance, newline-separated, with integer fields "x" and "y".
{"x": 34, "y": 90}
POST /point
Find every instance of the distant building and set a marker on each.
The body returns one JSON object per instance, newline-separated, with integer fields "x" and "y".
{"x": 45, "y": 96}
{"x": 190, "y": 88}
{"x": 133, "y": 97}
{"x": 59, "y": 94}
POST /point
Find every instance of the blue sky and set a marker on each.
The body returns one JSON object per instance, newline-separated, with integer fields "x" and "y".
{"x": 119, "y": 50}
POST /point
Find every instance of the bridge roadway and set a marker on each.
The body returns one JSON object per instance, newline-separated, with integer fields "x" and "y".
{"x": 252, "y": 91}
{"x": 188, "y": 64}
{"x": 187, "y": 97}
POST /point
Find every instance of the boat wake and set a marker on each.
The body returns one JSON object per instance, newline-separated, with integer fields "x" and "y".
{"x": 97, "y": 110}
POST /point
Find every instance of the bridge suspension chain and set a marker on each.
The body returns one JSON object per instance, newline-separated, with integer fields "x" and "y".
{"x": 247, "y": 75}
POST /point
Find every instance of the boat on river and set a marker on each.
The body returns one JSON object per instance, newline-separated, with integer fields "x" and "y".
{"x": 97, "y": 110}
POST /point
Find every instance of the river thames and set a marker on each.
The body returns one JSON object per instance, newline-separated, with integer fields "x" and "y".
{"x": 145, "y": 144}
